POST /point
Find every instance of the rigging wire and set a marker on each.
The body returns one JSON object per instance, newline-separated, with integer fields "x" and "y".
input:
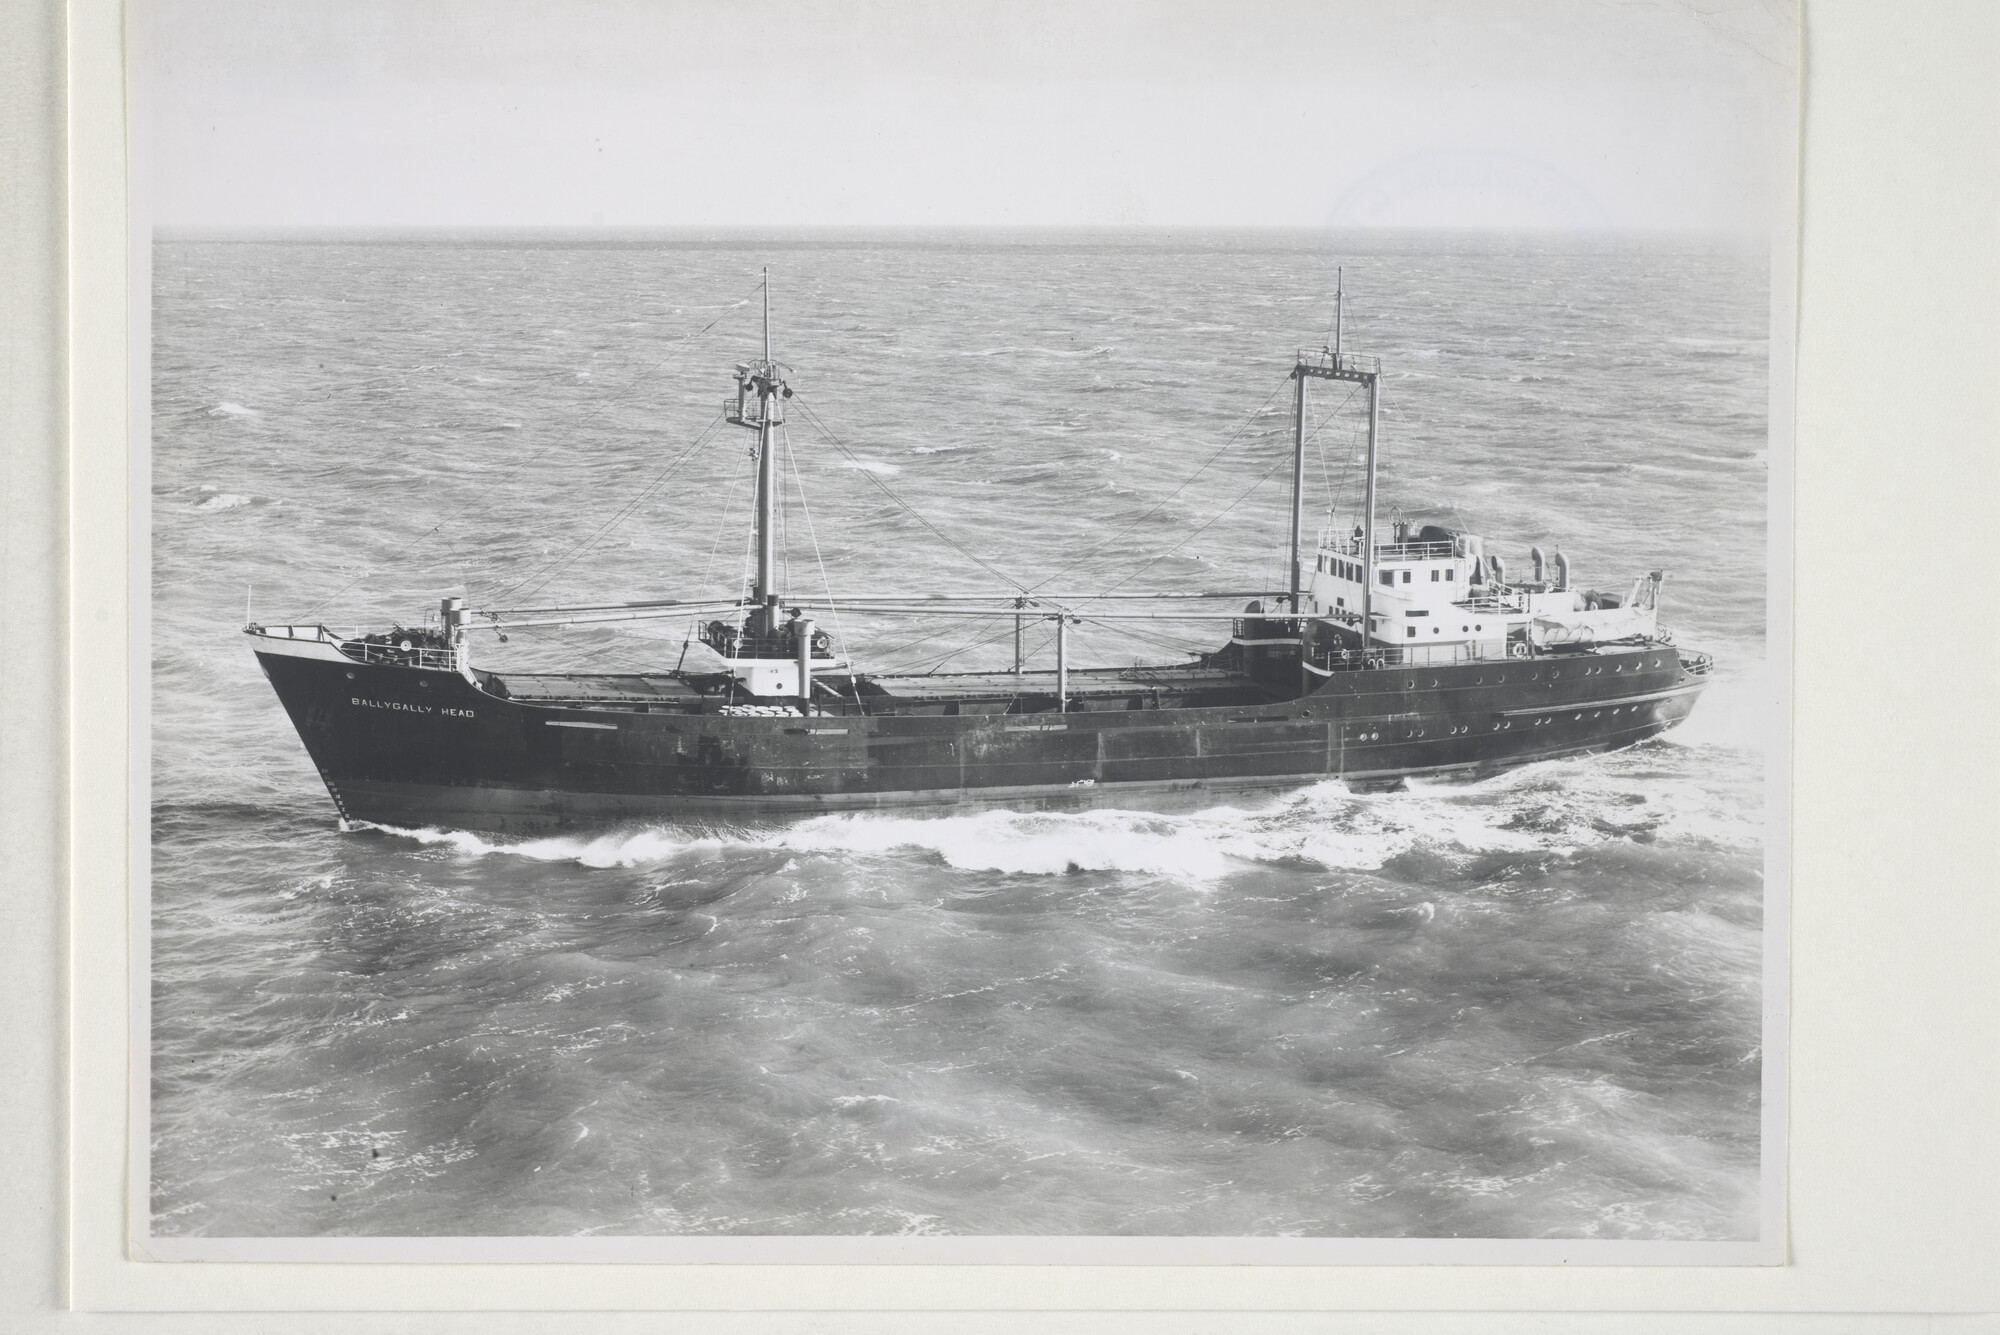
{"x": 708, "y": 566}
{"x": 910, "y": 668}
{"x": 729, "y": 500}
{"x": 1191, "y": 477}
{"x": 1197, "y": 533}
{"x": 747, "y": 574}
{"x": 463, "y": 511}
{"x": 1255, "y": 413}
{"x": 966, "y": 624}
{"x": 826, "y": 585}
{"x": 901, "y": 504}
{"x": 1155, "y": 640}
{"x": 550, "y": 570}
{"x": 1160, "y": 638}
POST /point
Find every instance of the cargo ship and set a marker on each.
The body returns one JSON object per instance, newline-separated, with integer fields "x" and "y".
{"x": 1415, "y": 651}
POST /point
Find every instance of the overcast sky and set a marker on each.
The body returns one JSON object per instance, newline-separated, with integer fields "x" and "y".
{"x": 1302, "y": 113}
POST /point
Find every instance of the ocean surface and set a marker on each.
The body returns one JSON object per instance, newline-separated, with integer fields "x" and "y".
{"x": 1524, "y": 1007}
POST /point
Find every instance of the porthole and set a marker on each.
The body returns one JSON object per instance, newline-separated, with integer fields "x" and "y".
{"x": 1597, "y": 713}
{"x": 1410, "y": 685}
{"x": 1496, "y": 727}
{"x": 1554, "y": 673}
{"x": 350, "y": 676}
{"x": 1578, "y": 716}
{"x": 422, "y": 682}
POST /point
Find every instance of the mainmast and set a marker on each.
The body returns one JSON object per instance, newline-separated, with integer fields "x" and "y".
{"x": 760, "y": 389}
{"x": 1334, "y": 364}
{"x": 1298, "y": 489}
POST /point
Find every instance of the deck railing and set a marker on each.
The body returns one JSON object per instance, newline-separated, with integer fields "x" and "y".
{"x": 417, "y": 656}
{"x": 1256, "y": 629}
{"x": 1327, "y": 360}
{"x": 730, "y": 642}
{"x": 1350, "y": 546}
{"x": 369, "y": 650}
{"x": 1394, "y": 655}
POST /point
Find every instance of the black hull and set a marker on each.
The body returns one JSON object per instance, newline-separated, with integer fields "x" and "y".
{"x": 420, "y": 747}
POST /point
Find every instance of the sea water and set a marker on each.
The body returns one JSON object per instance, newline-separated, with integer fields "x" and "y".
{"x": 1522, "y": 1007}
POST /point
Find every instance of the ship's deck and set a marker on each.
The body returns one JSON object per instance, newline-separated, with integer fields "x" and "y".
{"x": 567, "y": 687}
{"x": 1082, "y": 681}
{"x": 918, "y": 692}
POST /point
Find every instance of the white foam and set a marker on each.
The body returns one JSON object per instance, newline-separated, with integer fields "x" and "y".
{"x": 870, "y": 466}
{"x": 1735, "y": 711}
{"x": 1027, "y": 843}
{"x": 225, "y": 500}
{"x": 227, "y": 409}
{"x": 1552, "y": 808}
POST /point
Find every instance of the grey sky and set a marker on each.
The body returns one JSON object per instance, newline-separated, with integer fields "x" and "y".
{"x": 446, "y": 112}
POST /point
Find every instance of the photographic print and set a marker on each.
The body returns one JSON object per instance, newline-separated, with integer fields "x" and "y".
{"x": 971, "y": 622}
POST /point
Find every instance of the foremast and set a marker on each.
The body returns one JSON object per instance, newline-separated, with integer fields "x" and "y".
{"x": 759, "y": 406}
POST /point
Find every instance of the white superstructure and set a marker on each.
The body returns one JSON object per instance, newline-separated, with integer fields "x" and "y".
{"x": 1438, "y": 596}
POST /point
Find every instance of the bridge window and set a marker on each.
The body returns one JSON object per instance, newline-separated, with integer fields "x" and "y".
{"x": 1434, "y": 574}
{"x": 1406, "y": 577}
{"x": 1450, "y": 574}
{"x": 1388, "y": 577}
{"x": 1409, "y": 632}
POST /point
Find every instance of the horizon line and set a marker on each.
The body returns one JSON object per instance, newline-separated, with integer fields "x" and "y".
{"x": 160, "y": 229}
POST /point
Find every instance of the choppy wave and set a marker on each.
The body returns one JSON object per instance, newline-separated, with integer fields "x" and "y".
{"x": 1101, "y": 350}
{"x": 222, "y": 500}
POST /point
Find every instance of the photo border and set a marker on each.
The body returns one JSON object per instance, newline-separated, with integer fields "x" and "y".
{"x": 100, "y": 315}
